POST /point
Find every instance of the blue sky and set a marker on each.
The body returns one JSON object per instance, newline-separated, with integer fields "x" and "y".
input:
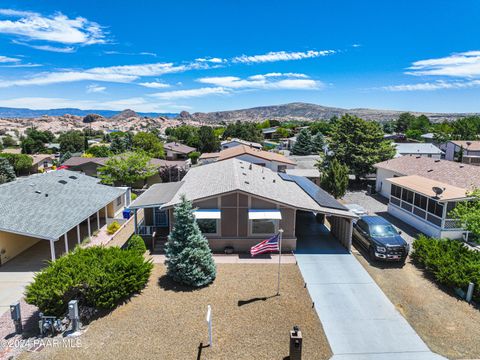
{"x": 168, "y": 56}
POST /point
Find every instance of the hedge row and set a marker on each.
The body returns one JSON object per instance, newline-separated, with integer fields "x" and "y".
{"x": 450, "y": 262}
{"x": 98, "y": 277}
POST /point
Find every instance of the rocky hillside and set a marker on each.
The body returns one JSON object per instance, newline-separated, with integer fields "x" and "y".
{"x": 304, "y": 111}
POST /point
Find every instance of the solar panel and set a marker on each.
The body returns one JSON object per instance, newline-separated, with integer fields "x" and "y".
{"x": 315, "y": 192}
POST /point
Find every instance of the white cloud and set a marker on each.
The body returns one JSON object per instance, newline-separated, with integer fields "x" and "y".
{"x": 154, "y": 85}
{"x": 115, "y": 52}
{"x": 65, "y": 49}
{"x": 6, "y": 59}
{"x": 464, "y": 64}
{"x": 272, "y": 81}
{"x": 94, "y": 88}
{"x": 282, "y": 56}
{"x": 191, "y": 93}
{"x": 432, "y": 86}
{"x": 120, "y": 74}
{"x": 56, "y": 28}
{"x": 214, "y": 60}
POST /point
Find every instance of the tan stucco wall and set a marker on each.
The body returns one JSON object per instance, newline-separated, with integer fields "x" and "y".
{"x": 14, "y": 244}
{"x": 128, "y": 228}
{"x": 113, "y": 208}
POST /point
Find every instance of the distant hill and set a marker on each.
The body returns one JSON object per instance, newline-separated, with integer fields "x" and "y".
{"x": 6, "y": 112}
{"x": 305, "y": 111}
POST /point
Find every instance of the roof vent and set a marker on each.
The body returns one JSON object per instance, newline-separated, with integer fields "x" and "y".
{"x": 429, "y": 170}
{"x": 418, "y": 156}
{"x": 246, "y": 182}
{"x": 244, "y": 174}
{"x": 462, "y": 166}
{"x": 273, "y": 180}
{"x": 437, "y": 160}
{"x": 250, "y": 167}
{"x": 62, "y": 182}
{"x": 73, "y": 177}
{"x": 38, "y": 192}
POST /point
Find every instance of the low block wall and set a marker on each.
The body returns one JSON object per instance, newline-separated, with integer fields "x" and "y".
{"x": 127, "y": 230}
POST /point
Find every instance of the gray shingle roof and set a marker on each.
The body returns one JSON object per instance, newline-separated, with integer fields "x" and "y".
{"x": 26, "y": 209}
{"x": 157, "y": 194}
{"x": 237, "y": 175}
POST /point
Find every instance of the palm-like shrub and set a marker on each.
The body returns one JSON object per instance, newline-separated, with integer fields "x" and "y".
{"x": 98, "y": 277}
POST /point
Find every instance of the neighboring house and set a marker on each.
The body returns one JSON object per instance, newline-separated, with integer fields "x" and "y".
{"x": 270, "y": 160}
{"x": 238, "y": 204}
{"x": 41, "y": 162}
{"x": 422, "y": 149}
{"x": 306, "y": 166}
{"x": 422, "y": 191}
{"x": 428, "y": 137}
{"x": 177, "y": 151}
{"x": 52, "y": 207}
{"x": 268, "y": 132}
{"x": 395, "y": 137}
{"x": 226, "y": 144}
{"x": 90, "y": 166}
{"x": 12, "y": 151}
{"x": 470, "y": 150}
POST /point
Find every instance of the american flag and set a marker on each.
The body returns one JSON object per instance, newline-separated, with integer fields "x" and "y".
{"x": 265, "y": 246}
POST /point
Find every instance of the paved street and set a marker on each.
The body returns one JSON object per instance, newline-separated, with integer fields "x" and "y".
{"x": 359, "y": 321}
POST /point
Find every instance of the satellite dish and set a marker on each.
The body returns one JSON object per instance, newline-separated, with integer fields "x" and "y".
{"x": 438, "y": 191}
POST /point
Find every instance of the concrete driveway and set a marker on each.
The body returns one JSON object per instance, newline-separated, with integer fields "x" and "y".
{"x": 359, "y": 321}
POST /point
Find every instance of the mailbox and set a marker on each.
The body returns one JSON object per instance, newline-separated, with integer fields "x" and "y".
{"x": 73, "y": 309}
{"x": 15, "y": 312}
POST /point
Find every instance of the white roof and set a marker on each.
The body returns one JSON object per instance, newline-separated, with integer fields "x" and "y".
{"x": 243, "y": 142}
{"x": 417, "y": 148}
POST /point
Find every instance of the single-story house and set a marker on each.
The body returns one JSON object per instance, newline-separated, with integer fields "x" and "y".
{"x": 41, "y": 162}
{"x": 89, "y": 166}
{"x": 226, "y": 144}
{"x": 422, "y": 192}
{"x": 268, "y": 159}
{"x": 470, "y": 149}
{"x": 175, "y": 150}
{"x": 268, "y": 132}
{"x": 422, "y": 149}
{"x": 306, "y": 166}
{"x": 239, "y": 204}
{"x": 428, "y": 137}
{"x": 53, "y": 206}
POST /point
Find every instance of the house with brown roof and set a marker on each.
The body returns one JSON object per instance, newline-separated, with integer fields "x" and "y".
{"x": 176, "y": 151}
{"x": 268, "y": 159}
{"x": 90, "y": 166}
{"x": 41, "y": 162}
{"x": 423, "y": 191}
{"x": 467, "y": 152}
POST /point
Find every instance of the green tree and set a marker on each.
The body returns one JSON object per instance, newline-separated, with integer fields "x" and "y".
{"x": 468, "y": 213}
{"x": 35, "y": 140}
{"x": 208, "y": 142}
{"x": 466, "y": 128}
{"x": 149, "y": 143}
{"x": 1, "y": 144}
{"x": 389, "y": 126}
{"x": 334, "y": 178}
{"x": 188, "y": 257}
{"x": 127, "y": 169}
{"x": 359, "y": 144}
{"x": 7, "y": 173}
{"x": 404, "y": 121}
{"x": 21, "y": 163}
{"x": 303, "y": 145}
{"x": 121, "y": 142}
{"x": 193, "y": 156}
{"x": 65, "y": 156}
{"x": 247, "y": 131}
{"x": 420, "y": 123}
{"x": 9, "y": 141}
{"x": 322, "y": 127}
{"x": 318, "y": 143}
{"x": 281, "y": 132}
{"x": 72, "y": 141}
{"x": 99, "y": 151}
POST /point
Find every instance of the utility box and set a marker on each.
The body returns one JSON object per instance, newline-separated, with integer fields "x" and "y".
{"x": 73, "y": 309}
{"x": 16, "y": 317}
{"x": 295, "y": 344}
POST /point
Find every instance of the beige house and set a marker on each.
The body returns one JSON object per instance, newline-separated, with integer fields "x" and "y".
{"x": 53, "y": 207}
{"x": 238, "y": 204}
{"x": 177, "y": 151}
{"x": 268, "y": 159}
{"x": 41, "y": 162}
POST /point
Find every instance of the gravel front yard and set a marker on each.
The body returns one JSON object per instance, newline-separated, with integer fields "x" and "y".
{"x": 449, "y": 326}
{"x": 168, "y": 322}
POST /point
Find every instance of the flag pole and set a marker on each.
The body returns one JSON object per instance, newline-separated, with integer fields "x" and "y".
{"x": 280, "y": 233}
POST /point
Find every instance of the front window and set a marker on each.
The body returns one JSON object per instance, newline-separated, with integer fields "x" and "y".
{"x": 383, "y": 231}
{"x": 264, "y": 226}
{"x": 208, "y": 226}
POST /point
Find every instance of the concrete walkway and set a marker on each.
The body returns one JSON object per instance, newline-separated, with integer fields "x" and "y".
{"x": 359, "y": 321}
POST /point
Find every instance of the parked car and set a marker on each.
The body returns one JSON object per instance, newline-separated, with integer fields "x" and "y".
{"x": 380, "y": 238}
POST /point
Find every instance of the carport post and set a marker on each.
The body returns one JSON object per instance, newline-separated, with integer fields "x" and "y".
{"x": 52, "y": 250}
{"x": 98, "y": 220}
{"x": 106, "y": 215}
{"x": 135, "y": 221}
{"x": 65, "y": 237}
{"x": 78, "y": 234}
{"x": 89, "y": 229}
